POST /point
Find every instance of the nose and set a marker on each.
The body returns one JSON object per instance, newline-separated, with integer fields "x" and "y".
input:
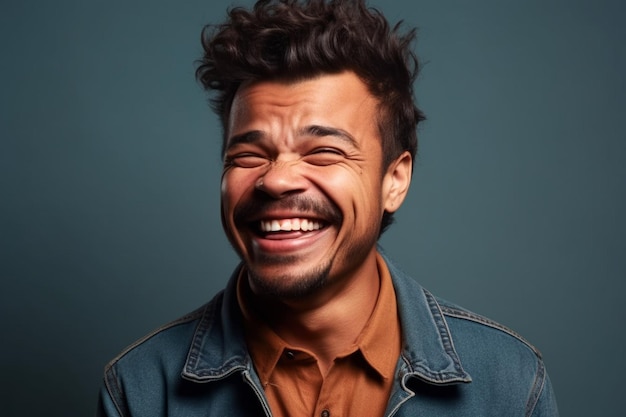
{"x": 282, "y": 178}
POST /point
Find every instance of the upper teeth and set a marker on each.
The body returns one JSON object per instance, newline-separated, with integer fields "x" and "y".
{"x": 287, "y": 225}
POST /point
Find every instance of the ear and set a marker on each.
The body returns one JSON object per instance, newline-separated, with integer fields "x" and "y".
{"x": 396, "y": 182}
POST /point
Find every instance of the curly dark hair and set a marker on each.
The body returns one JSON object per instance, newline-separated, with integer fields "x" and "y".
{"x": 292, "y": 40}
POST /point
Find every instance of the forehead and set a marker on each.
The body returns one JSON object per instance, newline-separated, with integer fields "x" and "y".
{"x": 340, "y": 100}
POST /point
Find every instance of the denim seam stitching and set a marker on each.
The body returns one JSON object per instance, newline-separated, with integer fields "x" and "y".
{"x": 201, "y": 329}
{"x": 538, "y": 384}
{"x": 463, "y": 314}
{"x": 116, "y": 393}
{"x": 444, "y": 331}
{"x": 229, "y": 367}
{"x": 194, "y": 315}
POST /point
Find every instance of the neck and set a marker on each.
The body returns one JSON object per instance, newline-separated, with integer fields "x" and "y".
{"x": 328, "y": 322}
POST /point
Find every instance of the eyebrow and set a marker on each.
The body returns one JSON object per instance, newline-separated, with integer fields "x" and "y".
{"x": 247, "y": 137}
{"x": 311, "y": 130}
{"x": 321, "y": 131}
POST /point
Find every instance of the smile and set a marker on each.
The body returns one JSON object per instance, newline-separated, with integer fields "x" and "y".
{"x": 290, "y": 225}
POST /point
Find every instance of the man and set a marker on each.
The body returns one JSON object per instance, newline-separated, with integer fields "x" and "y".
{"x": 316, "y": 104}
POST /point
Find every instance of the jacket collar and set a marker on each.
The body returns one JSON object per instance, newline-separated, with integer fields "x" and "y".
{"x": 428, "y": 348}
{"x": 218, "y": 347}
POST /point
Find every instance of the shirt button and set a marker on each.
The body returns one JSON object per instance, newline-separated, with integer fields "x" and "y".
{"x": 325, "y": 413}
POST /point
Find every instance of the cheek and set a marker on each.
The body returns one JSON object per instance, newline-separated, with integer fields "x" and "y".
{"x": 226, "y": 192}
{"x": 226, "y": 211}
{"x": 233, "y": 189}
{"x": 353, "y": 190}
{"x": 235, "y": 182}
{"x": 233, "y": 186}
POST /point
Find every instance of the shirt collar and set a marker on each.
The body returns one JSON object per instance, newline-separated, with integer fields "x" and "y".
{"x": 379, "y": 337}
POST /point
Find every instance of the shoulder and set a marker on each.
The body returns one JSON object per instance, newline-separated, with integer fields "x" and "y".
{"x": 148, "y": 371}
{"x": 171, "y": 340}
{"x": 499, "y": 360}
{"x": 496, "y": 356}
{"x": 449, "y": 319}
{"x": 465, "y": 324}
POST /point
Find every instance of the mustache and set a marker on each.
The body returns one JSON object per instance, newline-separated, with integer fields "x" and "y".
{"x": 305, "y": 204}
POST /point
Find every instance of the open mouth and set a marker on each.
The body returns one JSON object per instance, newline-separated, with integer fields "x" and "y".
{"x": 287, "y": 219}
{"x": 281, "y": 236}
{"x": 293, "y": 232}
{"x": 290, "y": 225}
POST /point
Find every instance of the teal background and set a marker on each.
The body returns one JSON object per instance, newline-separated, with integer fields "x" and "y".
{"x": 109, "y": 176}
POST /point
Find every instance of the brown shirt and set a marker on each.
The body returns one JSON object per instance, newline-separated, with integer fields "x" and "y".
{"x": 359, "y": 381}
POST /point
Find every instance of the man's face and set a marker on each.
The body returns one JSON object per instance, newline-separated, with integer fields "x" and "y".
{"x": 303, "y": 190}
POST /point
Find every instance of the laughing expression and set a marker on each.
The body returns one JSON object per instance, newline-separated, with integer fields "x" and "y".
{"x": 303, "y": 190}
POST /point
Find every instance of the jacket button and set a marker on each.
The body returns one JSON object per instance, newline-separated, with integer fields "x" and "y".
{"x": 325, "y": 413}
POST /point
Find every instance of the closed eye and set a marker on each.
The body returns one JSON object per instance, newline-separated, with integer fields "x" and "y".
{"x": 245, "y": 160}
{"x": 324, "y": 156}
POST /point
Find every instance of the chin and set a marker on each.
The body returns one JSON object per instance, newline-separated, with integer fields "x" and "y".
{"x": 281, "y": 284}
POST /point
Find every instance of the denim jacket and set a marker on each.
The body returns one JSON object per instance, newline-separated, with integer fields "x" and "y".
{"x": 198, "y": 365}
